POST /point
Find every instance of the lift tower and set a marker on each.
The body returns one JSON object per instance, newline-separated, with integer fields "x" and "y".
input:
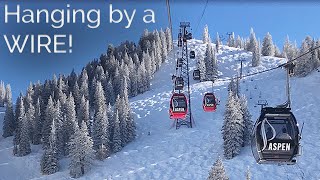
{"x": 182, "y": 69}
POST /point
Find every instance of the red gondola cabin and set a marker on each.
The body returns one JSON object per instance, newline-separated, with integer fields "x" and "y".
{"x": 209, "y": 102}
{"x": 178, "y": 106}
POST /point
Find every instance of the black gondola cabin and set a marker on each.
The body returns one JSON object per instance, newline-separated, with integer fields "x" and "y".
{"x": 275, "y": 137}
{"x": 192, "y": 55}
{"x": 196, "y": 74}
{"x": 178, "y": 83}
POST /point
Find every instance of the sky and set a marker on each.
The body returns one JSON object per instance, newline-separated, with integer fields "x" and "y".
{"x": 297, "y": 19}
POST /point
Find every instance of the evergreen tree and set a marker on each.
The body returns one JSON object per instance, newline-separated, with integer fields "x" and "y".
{"x": 24, "y": 147}
{"x": 163, "y": 45}
{"x": 49, "y": 118}
{"x": 2, "y": 94}
{"x": 38, "y": 124}
{"x": 110, "y": 95}
{"x": 253, "y": 43}
{"x": 217, "y": 171}
{"x": 277, "y": 52}
{"x": 267, "y": 46}
{"x": 83, "y": 115}
{"x": 30, "y": 117}
{"x": 8, "y": 121}
{"x": 238, "y": 43}
{"x": 210, "y": 63}
{"x": 233, "y": 127}
{"x": 256, "y": 60}
{"x": 231, "y": 40}
{"x": 84, "y": 84}
{"x": 100, "y": 133}
{"x": 58, "y": 123}
{"x": 218, "y": 42}
{"x": 169, "y": 39}
{"x": 248, "y": 124}
{"x": 81, "y": 152}
{"x": 49, "y": 161}
{"x": 289, "y": 50}
{"x": 206, "y": 36}
{"x": 69, "y": 121}
{"x": 116, "y": 141}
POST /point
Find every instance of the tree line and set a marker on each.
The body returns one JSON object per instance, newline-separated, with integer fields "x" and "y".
{"x": 85, "y": 116}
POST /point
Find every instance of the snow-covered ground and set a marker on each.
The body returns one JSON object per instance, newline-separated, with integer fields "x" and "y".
{"x": 185, "y": 153}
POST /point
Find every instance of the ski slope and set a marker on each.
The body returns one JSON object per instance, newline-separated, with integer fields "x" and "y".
{"x": 167, "y": 153}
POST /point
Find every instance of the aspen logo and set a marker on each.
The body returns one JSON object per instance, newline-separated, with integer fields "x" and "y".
{"x": 179, "y": 109}
{"x": 279, "y": 146}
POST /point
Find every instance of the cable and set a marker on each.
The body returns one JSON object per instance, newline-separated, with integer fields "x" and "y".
{"x": 271, "y": 69}
{"x": 204, "y": 10}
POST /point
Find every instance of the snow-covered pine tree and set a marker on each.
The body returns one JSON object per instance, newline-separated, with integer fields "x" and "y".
{"x": 76, "y": 94}
{"x": 24, "y": 142}
{"x": 49, "y": 163}
{"x": 231, "y": 40}
{"x": 83, "y": 114}
{"x": 217, "y": 171}
{"x": 130, "y": 129}
{"x": 141, "y": 78}
{"x": 8, "y": 121}
{"x": 58, "y": 122}
{"x": 81, "y": 152}
{"x": 146, "y": 61}
{"x": 303, "y": 65}
{"x": 253, "y": 43}
{"x": 17, "y": 115}
{"x": 210, "y": 63}
{"x": 37, "y": 124}
{"x": 267, "y": 46}
{"x": 2, "y": 94}
{"x": 256, "y": 56}
{"x": 277, "y": 52}
{"x": 238, "y": 43}
{"x": 233, "y": 127}
{"x": 84, "y": 84}
{"x": 169, "y": 39}
{"x": 206, "y": 36}
{"x": 232, "y": 86}
{"x": 164, "y": 45}
{"x": 100, "y": 127}
{"x": 290, "y": 50}
{"x": 49, "y": 117}
{"x": 69, "y": 121}
{"x": 120, "y": 107}
{"x": 116, "y": 140}
{"x": 110, "y": 95}
{"x": 248, "y": 124}
{"x": 30, "y": 116}
{"x": 218, "y": 42}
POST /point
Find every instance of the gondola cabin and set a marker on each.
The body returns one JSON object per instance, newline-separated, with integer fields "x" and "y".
{"x": 209, "y": 102}
{"x": 178, "y": 83}
{"x": 196, "y": 74}
{"x": 192, "y": 55}
{"x": 188, "y": 36}
{"x": 178, "y": 106}
{"x": 275, "y": 137}
{"x": 179, "y": 62}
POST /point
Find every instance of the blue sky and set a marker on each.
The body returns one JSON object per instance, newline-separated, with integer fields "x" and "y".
{"x": 296, "y": 19}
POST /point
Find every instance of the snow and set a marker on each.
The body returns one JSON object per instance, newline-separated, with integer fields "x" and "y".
{"x": 185, "y": 153}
